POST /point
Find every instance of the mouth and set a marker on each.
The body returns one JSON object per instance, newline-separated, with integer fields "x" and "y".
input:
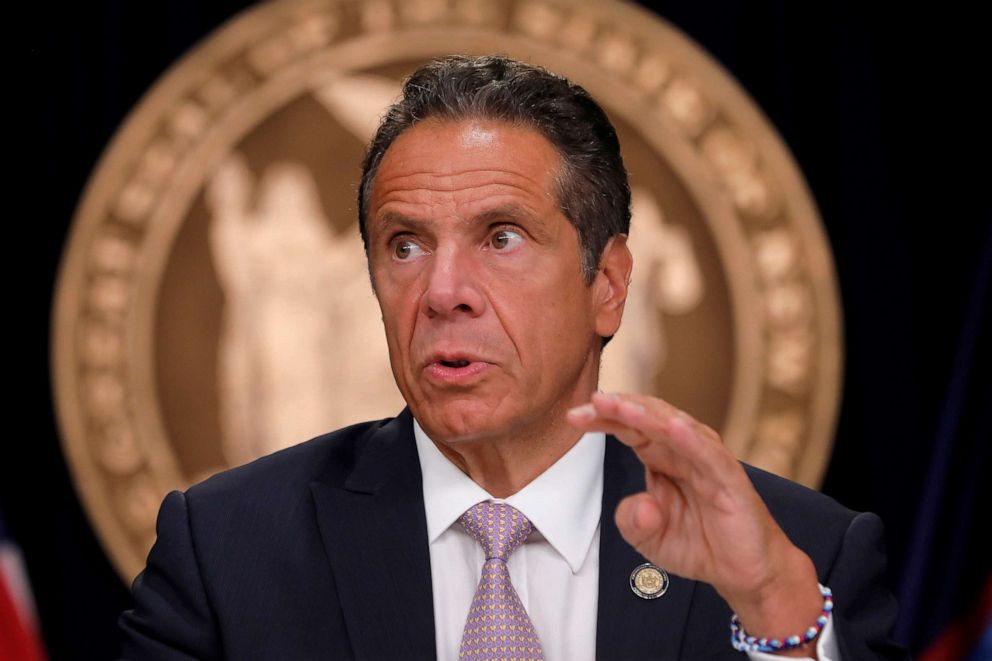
{"x": 455, "y": 363}
{"x": 454, "y": 369}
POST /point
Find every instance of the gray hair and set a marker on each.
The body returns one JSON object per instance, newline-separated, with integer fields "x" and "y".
{"x": 593, "y": 191}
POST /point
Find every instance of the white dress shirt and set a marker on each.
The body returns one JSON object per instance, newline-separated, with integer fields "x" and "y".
{"x": 555, "y": 571}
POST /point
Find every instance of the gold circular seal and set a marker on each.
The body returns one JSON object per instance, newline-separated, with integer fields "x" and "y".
{"x": 648, "y": 581}
{"x": 213, "y": 302}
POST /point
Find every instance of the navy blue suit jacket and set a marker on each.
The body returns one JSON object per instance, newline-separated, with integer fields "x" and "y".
{"x": 320, "y": 551}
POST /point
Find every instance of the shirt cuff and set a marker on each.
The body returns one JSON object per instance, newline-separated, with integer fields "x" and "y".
{"x": 826, "y": 646}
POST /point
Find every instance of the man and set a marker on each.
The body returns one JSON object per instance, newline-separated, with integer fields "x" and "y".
{"x": 493, "y": 518}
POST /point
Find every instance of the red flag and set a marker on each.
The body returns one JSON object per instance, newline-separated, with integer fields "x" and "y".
{"x": 19, "y": 634}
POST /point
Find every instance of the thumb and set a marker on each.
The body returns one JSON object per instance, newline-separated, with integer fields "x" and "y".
{"x": 640, "y": 519}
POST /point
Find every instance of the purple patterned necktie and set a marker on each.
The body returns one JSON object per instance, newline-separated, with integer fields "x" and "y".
{"x": 497, "y": 626}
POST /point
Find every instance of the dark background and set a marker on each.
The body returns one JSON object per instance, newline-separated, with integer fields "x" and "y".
{"x": 880, "y": 108}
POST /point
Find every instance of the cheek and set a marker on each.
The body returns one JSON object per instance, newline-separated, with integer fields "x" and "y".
{"x": 397, "y": 319}
{"x": 397, "y": 292}
{"x": 567, "y": 321}
{"x": 547, "y": 322}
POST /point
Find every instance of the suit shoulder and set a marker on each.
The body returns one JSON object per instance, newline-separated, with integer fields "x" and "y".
{"x": 813, "y": 521}
{"x": 780, "y": 493}
{"x": 330, "y": 456}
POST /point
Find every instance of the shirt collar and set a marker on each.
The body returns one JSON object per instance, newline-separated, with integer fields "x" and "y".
{"x": 564, "y": 502}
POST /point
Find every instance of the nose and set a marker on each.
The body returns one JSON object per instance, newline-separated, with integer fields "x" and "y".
{"x": 452, "y": 287}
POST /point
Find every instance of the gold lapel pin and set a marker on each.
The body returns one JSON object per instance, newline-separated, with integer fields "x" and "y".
{"x": 648, "y": 581}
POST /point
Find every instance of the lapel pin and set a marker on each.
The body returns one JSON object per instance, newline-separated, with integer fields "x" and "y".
{"x": 648, "y": 581}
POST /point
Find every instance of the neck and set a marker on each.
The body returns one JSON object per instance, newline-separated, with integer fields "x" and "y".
{"x": 505, "y": 464}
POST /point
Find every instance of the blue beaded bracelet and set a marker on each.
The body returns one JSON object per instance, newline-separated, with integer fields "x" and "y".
{"x": 742, "y": 642}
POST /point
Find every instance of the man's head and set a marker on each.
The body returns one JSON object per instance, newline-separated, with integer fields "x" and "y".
{"x": 493, "y": 319}
{"x": 592, "y": 187}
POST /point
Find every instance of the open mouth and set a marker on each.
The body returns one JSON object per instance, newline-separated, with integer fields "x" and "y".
{"x": 454, "y": 370}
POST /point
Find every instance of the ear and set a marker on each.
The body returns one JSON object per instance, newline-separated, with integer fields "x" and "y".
{"x": 611, "y": 285}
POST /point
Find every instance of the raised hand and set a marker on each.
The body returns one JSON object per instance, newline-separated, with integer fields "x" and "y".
{"x": 701, "y": 518}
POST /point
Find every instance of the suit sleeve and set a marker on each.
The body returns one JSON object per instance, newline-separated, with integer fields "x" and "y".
{"x": 864, "y": 609}
{"x": 172, "y": 618}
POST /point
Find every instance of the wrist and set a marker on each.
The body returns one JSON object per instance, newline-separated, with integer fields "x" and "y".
{"x": 783, "y": 605}
{"x": 795, "y": 645}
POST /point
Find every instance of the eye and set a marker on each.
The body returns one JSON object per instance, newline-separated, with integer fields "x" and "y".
{"x": 505, "y": 239}
{"x": 405, "y": 249}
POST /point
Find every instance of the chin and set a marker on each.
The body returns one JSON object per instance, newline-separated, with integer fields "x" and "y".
{"x": 461, "y": 420}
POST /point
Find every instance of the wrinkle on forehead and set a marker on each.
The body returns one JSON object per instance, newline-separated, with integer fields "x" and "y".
{"x": 473, "y": 135}
{"x": 470, "y": 180}
{"x": 460, "y": 163}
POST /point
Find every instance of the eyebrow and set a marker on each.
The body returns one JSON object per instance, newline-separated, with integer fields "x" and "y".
{"x": 393, "y": 218}
{"x": 511, "y": 212}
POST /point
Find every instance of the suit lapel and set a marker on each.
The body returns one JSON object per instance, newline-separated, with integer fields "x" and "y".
{"x": 375, "y": 534}
{"x": 629, "y": 627}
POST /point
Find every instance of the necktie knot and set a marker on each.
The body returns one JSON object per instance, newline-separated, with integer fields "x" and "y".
{"x": 498, "y": 527}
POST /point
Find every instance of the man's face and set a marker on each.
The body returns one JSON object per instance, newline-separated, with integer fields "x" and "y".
{"x": 491, "y": 327}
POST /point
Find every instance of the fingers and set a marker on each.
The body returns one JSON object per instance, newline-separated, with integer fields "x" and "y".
{"x": 640, "y": 520}
{"x": 666, "y": 439}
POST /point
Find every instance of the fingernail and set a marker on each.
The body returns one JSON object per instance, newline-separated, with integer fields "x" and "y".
{"x": 583, "y": 412}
